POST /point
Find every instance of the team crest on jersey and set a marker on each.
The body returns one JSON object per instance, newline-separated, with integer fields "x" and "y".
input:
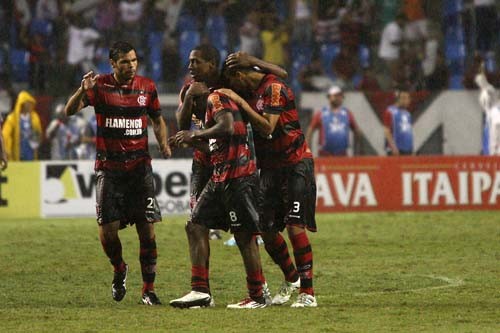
{"x": 142, "y": 100}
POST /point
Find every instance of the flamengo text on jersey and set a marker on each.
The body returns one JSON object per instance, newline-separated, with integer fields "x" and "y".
{"x": 132, "y": 126}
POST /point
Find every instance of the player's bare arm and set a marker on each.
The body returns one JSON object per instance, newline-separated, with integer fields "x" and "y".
{"x": 243, "y": 59}
{"x": 264, "y": 124}
{"x": 161, "y": 134}
{"x": 185, "y": 111}
{"x": 75, "y": 102}
{"x": 390, "y": 141}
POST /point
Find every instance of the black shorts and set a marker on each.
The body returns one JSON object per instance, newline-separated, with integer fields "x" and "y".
{"x": 200, "y": 175}
{"x": 232, "y": 205}
{"x": 289, "y": 196}
{"x": 126, "y": 196}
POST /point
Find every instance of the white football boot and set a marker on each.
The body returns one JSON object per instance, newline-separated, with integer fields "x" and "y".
{"x": 285, "y": 292}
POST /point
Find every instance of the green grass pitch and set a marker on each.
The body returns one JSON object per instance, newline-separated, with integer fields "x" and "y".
{"x": 395, "y": 272}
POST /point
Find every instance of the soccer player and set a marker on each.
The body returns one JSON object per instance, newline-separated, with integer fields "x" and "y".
{"x": 333, "y": 123}
{"x": 287, "y": 176}
{"x": 125, "y": 190}
{"x": 490, "y": 102}
{"x": 204, "y": 69}
{"x": 398, "y": 128}
{"x": 230, "y": 199}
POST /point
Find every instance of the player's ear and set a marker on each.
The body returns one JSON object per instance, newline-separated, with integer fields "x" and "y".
{"x": 112, "y": 63}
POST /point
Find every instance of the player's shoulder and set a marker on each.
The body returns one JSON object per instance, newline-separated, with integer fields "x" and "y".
{"x": 145, "y": 83}
{"x": 105, "y": 79}
{"x": 271, "y": 80}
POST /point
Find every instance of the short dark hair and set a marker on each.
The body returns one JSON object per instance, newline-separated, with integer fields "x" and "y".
{"x": 209, "y": 53}
{"x": 120, "y": 47}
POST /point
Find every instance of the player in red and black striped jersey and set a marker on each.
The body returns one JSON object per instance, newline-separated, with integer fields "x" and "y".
{"x": 231, "y": 199}
{"x": 125, "y": 189}
{"x": 203, "y": 67}
{"x": 287, "y": 175}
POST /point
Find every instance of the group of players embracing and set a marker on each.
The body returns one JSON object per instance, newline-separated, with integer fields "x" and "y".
{"x": 252, "y": 172}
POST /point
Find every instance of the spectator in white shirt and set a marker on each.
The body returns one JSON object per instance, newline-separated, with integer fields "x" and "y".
{"x": 391, "y": 42}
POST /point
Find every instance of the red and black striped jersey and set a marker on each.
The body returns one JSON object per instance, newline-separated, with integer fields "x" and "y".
{"x": 122, "y": 121}
{"x": 198, "y": 155}
{"x": 287, "y": 145}
{"x": 231, "y": 156}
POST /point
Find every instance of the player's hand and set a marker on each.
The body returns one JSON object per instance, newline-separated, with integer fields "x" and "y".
{"x": 89, "y": 80}
{"x": 172, "y": 142}
{"x": 197, "y": 89}
{"x": 232, "y": 95}
{"x": 165, "y": 151}
{"x": 184, "y": 137}
{"x": 239, "y": 59}
{"x": 3, "y": 161}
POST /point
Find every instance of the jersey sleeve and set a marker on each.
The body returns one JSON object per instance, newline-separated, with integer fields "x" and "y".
{"x": 154, "y": 110}
{"x": 217, "y": 104}
{"x": 275, "y": 98}
{"x": 387, "y": 119}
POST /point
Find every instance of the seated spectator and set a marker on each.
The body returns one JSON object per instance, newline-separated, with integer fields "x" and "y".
{"x": 106, "y": 19}
{"x": 486, "y": 24}
{"x": 22, "y": 130}
{"x": 39, "y": 62}
{"x": 64, "y": 134}
{"x": 368, "y": 81}
{"x": 302, "y": 15}
{"x": 250, "y": 35}
{"x": 312, "y": 77}
{"x": 47, "y": 10}
{"x": 350, "y": 31}
{"x": 345, "y": 67}
{"x": 416, "y": 26}
{"x": 439, "y": 78}
{"x": 328, "y": 23}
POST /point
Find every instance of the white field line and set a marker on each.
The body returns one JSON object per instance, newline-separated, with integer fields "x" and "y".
{"x": 450, "y": 283}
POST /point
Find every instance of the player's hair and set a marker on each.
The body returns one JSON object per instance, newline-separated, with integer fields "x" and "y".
{"x": 399, "y": 90}
{"x": 209, "y": 53}
{"x": 120, "y": 47}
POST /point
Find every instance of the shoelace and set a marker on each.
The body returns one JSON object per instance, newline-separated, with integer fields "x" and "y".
{"x": 286, "y": 288}
{"x": 304, "y": 299}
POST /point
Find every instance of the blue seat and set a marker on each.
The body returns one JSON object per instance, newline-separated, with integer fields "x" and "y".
{"x": 456, "y": 82}
{"x": 42, "y": 27}
{"x": 187, "y": 41}
{"x": 19, "y": 65}
{"x": 328, "y": 53}
{"x": 454, "y": 50}
{"x": 216, "y": 32}
{"x": 364, "y": 56}
{"x": 155, "y": 42}
{"x": 187, "y": 22}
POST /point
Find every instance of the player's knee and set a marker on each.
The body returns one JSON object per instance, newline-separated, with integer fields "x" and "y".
{"x": 195, "y": 230}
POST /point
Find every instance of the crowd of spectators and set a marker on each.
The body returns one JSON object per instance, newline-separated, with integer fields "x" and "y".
{"x": 355, "y": 44}
{"x": 369, "y": 45}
